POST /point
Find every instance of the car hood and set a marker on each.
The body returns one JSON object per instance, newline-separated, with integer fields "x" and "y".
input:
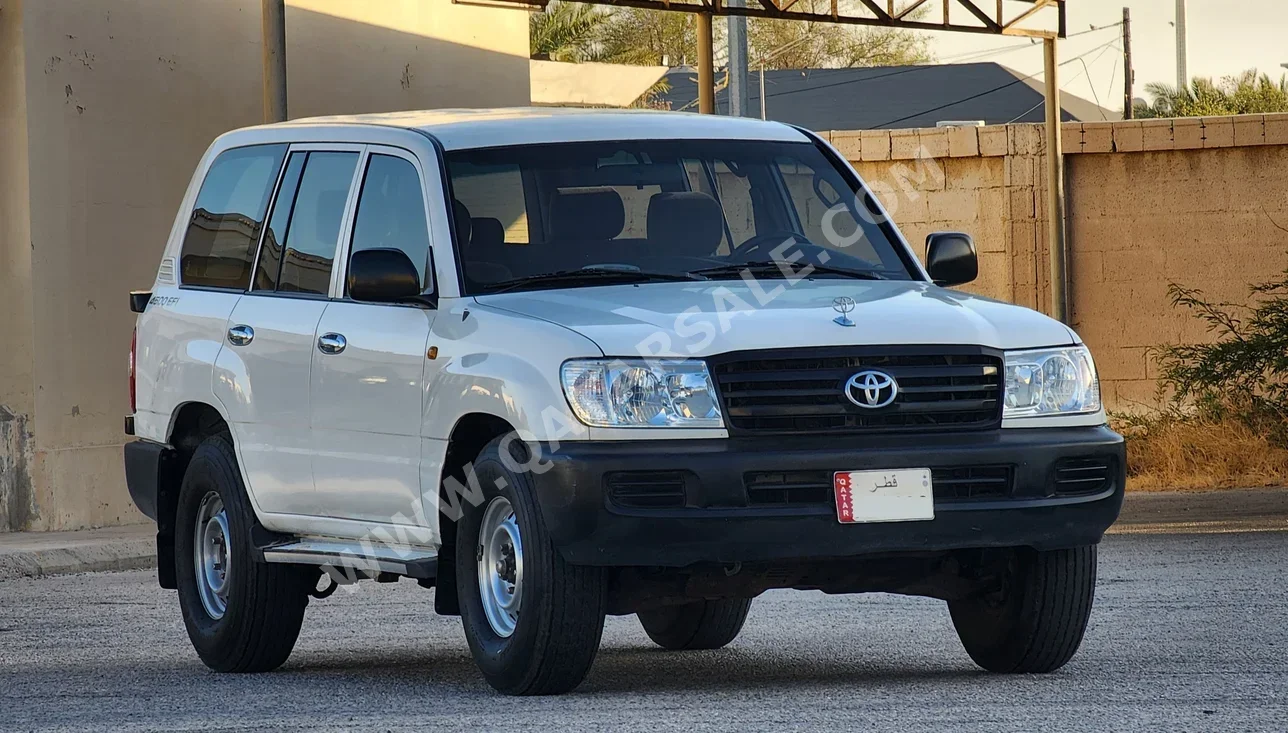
{"x": 706, "y": 318}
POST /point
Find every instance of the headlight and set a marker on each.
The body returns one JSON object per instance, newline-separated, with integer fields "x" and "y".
{"x": 634, "y": 393}
{"x": 1051, "y": 382}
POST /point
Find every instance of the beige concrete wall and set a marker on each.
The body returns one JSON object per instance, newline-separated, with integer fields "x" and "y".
{"x": 1214, "y": 219}
{"x": 118, "y": 100}
{"x": 16, "y": 385}
{"x": 351, "y": 56}
{"x": 1200, "y": 202}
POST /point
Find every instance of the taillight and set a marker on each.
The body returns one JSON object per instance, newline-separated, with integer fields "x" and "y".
{"x": 134, "y": 346}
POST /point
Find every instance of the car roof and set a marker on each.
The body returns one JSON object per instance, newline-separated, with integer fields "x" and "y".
{"x": 458, "y": 129}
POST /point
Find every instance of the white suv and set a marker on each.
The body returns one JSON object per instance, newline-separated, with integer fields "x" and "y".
{"x": 562, "y": 364}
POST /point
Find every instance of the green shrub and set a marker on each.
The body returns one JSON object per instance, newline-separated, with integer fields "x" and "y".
{"x": 1243, "y": 374}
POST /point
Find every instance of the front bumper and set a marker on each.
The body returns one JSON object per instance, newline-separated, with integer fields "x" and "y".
{"x": 717, "y": 524}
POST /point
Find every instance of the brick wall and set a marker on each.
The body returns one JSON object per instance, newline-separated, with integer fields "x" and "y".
{"x": 1201, "y": 202}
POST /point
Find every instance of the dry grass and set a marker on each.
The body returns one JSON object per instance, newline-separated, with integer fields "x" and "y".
{"x": 1169, "y": 453}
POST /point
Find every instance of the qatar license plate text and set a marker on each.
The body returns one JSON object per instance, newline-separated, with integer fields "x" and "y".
{"x": 902, "y": 495}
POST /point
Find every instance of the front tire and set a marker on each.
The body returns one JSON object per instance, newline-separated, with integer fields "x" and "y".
{"x": 698, "y": 625}
{"x": 532, "y": 620}
{"x": 241, "y": 615}
{"x": 1036, "y": 622}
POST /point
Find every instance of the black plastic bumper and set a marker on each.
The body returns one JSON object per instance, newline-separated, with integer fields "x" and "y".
{"x": 718, "y": 525}
{"x": 142, "y": 474}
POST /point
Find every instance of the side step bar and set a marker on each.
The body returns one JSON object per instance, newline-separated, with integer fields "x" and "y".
{"x": 413, "y": 562}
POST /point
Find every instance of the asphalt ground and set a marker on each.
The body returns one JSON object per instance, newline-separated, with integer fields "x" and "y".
{"x": 1189, "y": 633}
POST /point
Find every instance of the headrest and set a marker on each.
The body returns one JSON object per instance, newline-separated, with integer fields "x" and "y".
{"x": 486, "y": 232}
{"x": 461, "y": 215}
{"x": 687, "y": 223}
{"x": 582, "y": 215}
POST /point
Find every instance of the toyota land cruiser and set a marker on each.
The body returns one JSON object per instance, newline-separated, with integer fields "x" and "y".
{"x": 562, "y": 364}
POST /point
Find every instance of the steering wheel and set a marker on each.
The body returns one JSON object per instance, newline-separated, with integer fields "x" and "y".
{"x": 752, "y": 248}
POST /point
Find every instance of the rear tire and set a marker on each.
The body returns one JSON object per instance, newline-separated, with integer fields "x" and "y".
{"x": 699, "y": 625}
{"x": 242, "y": 615}
{"x": 547, "y": 645}
{"x": 1037, "y": 621}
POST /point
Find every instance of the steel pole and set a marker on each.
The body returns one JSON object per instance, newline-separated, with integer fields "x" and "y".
{"x": 1055, "y": 187}
{"x": 1182, "y": 53}
{"x": 762, "y": 92}
{"x": 274, "y": 44}
{"x": 706, "y": 66}
{"x": 739, "y": 104}
{"x": 1129, "y": 74}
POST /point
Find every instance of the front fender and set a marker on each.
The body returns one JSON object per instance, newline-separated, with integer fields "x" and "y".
{"x": 502, "y": 364}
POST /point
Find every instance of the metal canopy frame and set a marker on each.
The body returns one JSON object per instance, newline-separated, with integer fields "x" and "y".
{"x": 1000, "y": 18}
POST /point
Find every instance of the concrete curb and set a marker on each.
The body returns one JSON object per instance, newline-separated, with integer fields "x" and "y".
{"x": 1209, "y": 512}
{"x": 1233, "y": 507}
{"x": 34, "y": 554}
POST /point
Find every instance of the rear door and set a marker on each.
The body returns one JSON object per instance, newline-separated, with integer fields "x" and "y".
{"x": 182, "y": 332}
{"x": 265, "y": 365}
{"x": 369, "y": 363}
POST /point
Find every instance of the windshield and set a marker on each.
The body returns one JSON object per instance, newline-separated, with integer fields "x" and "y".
{"x": 536, "y": 216}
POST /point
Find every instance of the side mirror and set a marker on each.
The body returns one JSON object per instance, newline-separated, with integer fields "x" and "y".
{"x": 950, "y": 258}
{"x": 382, "y": 276}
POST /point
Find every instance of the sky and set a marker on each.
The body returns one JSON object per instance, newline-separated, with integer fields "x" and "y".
{"x": 1225, "y": 38}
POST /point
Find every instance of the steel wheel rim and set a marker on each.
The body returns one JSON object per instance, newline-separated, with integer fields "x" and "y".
{"x": 212, "y": 555}
{"x": 500, "y": 566}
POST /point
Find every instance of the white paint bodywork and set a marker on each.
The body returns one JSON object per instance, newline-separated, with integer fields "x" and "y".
{"x": 349, "y": 444}
{"x": 366, "y": 461}
{"x": 263, "y": 388}
{"x": 706, "y": 318}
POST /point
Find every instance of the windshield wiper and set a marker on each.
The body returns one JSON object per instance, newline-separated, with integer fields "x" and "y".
{"x": 592, "y": 274}
{"x": 775, "y": 269}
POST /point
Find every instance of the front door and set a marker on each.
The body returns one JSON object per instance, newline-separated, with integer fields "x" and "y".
{"x": 369, "y": 365}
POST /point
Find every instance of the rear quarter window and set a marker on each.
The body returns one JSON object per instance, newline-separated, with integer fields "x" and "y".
{"x": 219, "y": 245}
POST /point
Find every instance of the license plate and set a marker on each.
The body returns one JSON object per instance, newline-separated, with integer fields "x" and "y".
{"x": 902, "y": 495}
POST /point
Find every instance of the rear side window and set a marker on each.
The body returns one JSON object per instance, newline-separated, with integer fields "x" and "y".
{"x": 634, "y": 206}
{"x": 493, "y": 192}
{"x": 220, "y": 243}
{"x": 736, "y": 200}
{"x": 813, "y": 195}
{"x": 314, "y": 227}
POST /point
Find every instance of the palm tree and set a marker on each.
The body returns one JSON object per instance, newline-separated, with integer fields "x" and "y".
{"x": 1247, "y": 93}
{"x": 566, "y": 31}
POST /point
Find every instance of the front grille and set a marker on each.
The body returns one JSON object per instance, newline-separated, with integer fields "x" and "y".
{"x": 803, "y": 391}
{"x": 972, "y": 482}
{"x": 814, "y": 488}
{"x": 647, "y": 489}
{"x": 788, "y": 488}
{"x": 1087, "y": 475}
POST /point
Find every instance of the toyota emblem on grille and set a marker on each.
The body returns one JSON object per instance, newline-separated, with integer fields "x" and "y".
{"x": 871, "y": 389}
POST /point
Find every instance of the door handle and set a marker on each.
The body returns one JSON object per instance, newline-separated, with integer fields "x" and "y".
{"x": 331, "y": 343}
{"x": 240, "y": 335}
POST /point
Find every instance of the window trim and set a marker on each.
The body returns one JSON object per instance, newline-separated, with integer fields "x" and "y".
{"x": 268, "y": 217}
{"x": 360, "y": 149}
{"x": 715, "y": 194}
{"x": 192, "y": 208}
{"x": 790, "y": 206}
{"x": 350, "y": 220}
